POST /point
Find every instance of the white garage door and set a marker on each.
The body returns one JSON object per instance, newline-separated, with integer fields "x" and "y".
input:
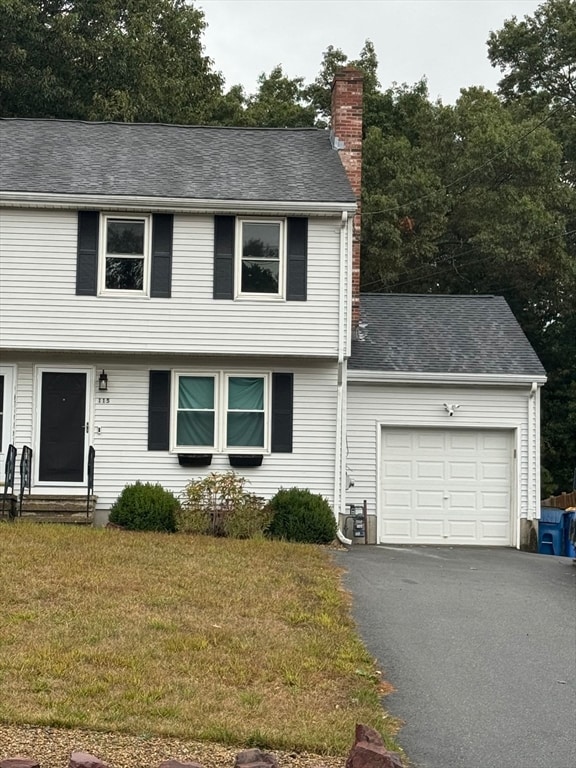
{"x": 445, "y": 486}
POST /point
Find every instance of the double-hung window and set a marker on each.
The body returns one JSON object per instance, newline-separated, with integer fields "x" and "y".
{"x": 124, "y": 254}
{"x": 220, "y": 412}
{"x": 196, "y": 412}
{"x": 261, "y": 261}
{"x": 245, "y": 412}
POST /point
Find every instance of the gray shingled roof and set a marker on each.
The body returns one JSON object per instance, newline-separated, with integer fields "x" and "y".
{"x": 441, "y": 334}
{"x": 133, "y": 159}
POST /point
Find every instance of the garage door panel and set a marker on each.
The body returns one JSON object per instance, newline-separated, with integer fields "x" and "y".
{"x": 498, "y": 502}
{"x": 429, "y": 529}
{"x": 495, "y": 532}
{"x": 428, "y": 500}
{"x": 397, "y": 439}
{"x": 430, "y": 469}
{"x": 491, "y": 441}
{"x": 447, "y": 486}
{"x": 430, "y": 440}
{"x": 462, "y": 470}
{"x": 465, "y": 531}
{"x": 398, "y": 529}
{"x": 462, "y": 441}
{"x": 399, "y": 469}
{"x": 394, "y": 499}
{"x": 466, "y": 500}
{"x": 495, "y": 471}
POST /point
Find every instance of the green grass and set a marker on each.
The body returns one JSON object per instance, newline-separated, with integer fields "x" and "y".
{"x": 217, "y": 640}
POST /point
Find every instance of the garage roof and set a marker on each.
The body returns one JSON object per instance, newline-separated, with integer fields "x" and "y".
{"x": 441, "y": 334}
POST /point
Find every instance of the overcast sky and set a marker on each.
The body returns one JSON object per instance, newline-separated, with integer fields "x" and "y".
{"x": 445, "y": 40}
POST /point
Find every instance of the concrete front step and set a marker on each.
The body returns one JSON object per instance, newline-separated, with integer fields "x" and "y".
{"x": 60, "y": 503}
{"x": 46, "y": 508}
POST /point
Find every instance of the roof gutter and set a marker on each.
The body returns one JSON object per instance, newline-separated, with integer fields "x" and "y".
{"x": 172, "y": 204}
{"x": 423, "y": 377}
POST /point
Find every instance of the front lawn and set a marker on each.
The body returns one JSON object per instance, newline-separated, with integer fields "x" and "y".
{"x": 217, "y": 640}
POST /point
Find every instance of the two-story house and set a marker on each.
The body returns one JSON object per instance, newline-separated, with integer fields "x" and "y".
{"x": 183, "y": 299}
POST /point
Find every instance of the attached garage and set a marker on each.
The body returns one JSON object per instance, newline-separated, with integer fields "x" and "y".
{"x": 443, "y": 397}
{"x": 446, "y": 486}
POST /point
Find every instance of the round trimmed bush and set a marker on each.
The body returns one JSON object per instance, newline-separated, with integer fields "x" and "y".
{"x": 145, "y": 507}
{"x": 300, "y": 515}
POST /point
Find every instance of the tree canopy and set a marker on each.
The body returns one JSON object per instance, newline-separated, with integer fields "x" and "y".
{"x": 127, "y": 60}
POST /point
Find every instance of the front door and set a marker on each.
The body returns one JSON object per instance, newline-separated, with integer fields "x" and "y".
{"x": 62, "y": 427}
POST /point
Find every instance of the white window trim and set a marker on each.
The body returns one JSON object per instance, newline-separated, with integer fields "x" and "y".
{"x": 9, "y": 373}
{"x": 220, "y": 412}
{"x": 102, "y": 254}
{"x": 239, "y": 294}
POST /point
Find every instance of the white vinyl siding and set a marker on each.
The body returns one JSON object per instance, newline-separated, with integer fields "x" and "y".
{"x": 38, "y": 283}
{"x": 373, "y": 406}
{"x": 119, "y": 428}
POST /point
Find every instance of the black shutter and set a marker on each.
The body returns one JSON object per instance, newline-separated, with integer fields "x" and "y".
{"x": 159, "y": 411}
{"x": 161, "y": 277}
{"x": 224, "y": 257}
{"x": 87, "y": 258}
{"x": 297, "y": 259}
{"x": 282, "y": 412}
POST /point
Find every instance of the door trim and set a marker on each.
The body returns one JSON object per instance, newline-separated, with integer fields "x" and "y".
{"x": 9, "y": 372}
{"x": 88, "y": 417}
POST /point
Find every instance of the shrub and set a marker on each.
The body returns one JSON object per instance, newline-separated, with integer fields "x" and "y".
{"x": 299, "y": 515}
{"x": 145, "y": 507}
{"x": 218, "y": 504}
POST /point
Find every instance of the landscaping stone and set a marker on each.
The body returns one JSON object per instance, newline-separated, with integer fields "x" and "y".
{"x": 255, "y": 758}
{"x": 365, "y": 733}
{"x": 178, "y": 764}
{"x": 19, "y": 762}
{"x": 85, "y": 760}
{"x": 367, "y": 755}
{"x": 368, "y": 751}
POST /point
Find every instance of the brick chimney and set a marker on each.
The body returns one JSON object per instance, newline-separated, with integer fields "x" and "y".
{"x": 346, "y": 129}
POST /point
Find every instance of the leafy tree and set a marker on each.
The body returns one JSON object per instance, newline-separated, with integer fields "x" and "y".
{"x": 128, "y": 60}
{"x": 538, "y": 58}
{"x": 279, "y": 103}
{"x": 538, "y": 54}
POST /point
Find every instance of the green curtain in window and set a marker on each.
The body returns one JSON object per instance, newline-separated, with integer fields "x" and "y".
{"x": 245, "y": 394}
{"x": 195, "y": 418}
{"x": 245, "y": 419}
{"x": 245, "y": 429}
{"x": 196, "y": 392}
{"x": 195, "y": 428}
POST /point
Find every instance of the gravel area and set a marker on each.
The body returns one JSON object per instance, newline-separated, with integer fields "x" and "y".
{"x": 52, "y": 748}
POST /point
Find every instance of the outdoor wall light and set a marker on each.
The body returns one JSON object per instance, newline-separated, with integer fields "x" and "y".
{"x": 103, "y": 382}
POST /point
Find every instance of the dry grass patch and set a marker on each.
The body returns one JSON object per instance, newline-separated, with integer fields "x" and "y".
{"x": 218, "y": 640}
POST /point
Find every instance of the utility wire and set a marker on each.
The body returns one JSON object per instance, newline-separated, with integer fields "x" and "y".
{"x": 469, "y": 173}
{"x": 447, "y": 268}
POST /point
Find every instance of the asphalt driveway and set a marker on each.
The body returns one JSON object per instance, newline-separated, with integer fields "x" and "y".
{"x": 480, "y": 645}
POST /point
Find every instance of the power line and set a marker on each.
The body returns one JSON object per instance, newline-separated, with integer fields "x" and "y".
{"x": 466, "y": 175}
{"x": 448, "y": 268}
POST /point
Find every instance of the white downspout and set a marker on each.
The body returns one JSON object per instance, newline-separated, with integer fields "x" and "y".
{"x": 530, "y": 511}
{"x": 339, "y": 473}
{"x": 537, "y": 450}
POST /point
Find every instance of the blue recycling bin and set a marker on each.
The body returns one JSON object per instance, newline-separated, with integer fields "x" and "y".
{"x": 570, "y": 533}
{"x": 551, "y": 532}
